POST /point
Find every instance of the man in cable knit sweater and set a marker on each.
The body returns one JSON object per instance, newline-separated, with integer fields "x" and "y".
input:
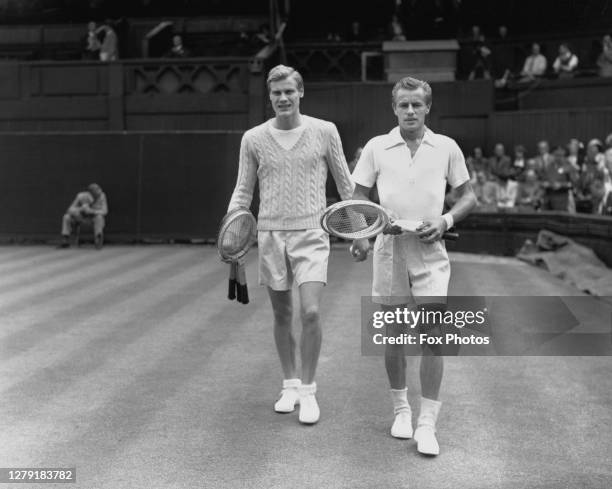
{"x": 290, "y": 155}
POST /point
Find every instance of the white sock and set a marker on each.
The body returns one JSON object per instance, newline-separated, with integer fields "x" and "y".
{"x": 400, "y": 400}
{"x": 428, "y": 415}
{"x": 306, "y": 389}
{"x": 291, "y": 383}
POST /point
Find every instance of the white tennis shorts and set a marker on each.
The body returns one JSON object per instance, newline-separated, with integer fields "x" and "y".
{"x": 408, "y": 271}
{"x": 288, "y": 256}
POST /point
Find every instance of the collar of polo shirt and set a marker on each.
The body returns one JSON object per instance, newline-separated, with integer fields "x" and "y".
{"x": 396, "y": 139}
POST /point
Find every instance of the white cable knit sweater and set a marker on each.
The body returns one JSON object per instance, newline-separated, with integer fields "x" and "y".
{"x": 291, "y": 182}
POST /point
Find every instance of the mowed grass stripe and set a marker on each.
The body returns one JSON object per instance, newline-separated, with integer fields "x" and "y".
{"x": 45, "y": 371}
{"x": 136, "y": 380}
{"x": 76, "y": 308}
{"x": 35, "y": 275}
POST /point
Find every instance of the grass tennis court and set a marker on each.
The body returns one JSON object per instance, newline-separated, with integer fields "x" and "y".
{"x": 131, "y": 365}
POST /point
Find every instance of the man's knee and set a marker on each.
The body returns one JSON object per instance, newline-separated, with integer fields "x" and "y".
{"x": 98, "y": 223}
{"x": 283, "y": 315}
{"x": 310, "y": 316}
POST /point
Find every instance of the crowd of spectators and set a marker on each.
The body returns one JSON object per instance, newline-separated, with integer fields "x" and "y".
{"x": 572, "y": 177}
{"x": 496, "y": 60}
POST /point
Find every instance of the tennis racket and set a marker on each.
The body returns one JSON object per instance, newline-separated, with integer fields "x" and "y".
{"x": 236, "y": 236}
{"x": 361, "y": 219}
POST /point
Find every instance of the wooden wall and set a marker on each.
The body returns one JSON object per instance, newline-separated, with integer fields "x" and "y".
{"x": 169, "y": 184}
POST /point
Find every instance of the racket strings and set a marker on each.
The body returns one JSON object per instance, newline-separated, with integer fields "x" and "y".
{"x": 356, "y": 220}
{"x": 237, "y": 235}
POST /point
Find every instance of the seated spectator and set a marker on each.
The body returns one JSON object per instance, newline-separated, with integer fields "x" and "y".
{"x": 566, "y": 63}
{"x": 482, "y": 61}
{"x": 559, "y": 179}
{"x": 502, "y": 33}
{"x": 476, "y": 34}
{"x": 604, "y": 61}
{"x": 396, "y": 29}
{"x": 486, "y": 192}
{"x": 177, "y": 50}
{"x": 608, "y": 165}
{"x": 88, "y": 207}
{"x": 519, "y": 162}
{"x": 594, "y": 153}
{"x": 109, "y": 51}
{"x": 541, "y": 161}
{"x": 602, "y": 198}
{"x": 500, "y": 164}
{"x": 529, "y": 193}
{"x": 355, "y": 33}
{"x": 92, "y": 42}
{"x": 592, "y": 168}
{"x": 575, "y": 150}
{"x": 535, "y": 65}
{"x": 477, "y": 162}
{"x": 506, "y": 193}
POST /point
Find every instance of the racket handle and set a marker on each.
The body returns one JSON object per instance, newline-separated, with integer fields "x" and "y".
{"x": 450, "y": 236}
{"x": 231, "y": 291}
{"x": 242, "y": 285}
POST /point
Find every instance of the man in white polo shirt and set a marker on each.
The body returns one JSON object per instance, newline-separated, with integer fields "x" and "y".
{"x": 411, "y": 166}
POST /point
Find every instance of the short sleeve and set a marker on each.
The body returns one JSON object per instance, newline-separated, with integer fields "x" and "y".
{"x": 365, "y": 172}
{"x": 457, "y": 169}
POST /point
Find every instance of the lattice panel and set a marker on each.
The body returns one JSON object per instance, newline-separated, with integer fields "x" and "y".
{"x": 187, "y": 78}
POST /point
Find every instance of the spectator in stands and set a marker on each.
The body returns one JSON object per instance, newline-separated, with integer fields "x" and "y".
{"x": 601, "y": 195}
{"x": 178, "y": 49}
{"x": 476, "y": 34}
{"x": 594, "y": 153}
{"x": 575, "y": 150}
{"x": 355, "y": 33}
{"x": 604, "y": 61}
{"x": 593, "y": 168}
{"x": 566, "y": 63}
{"x": 109, "y": 51}
{"x": 482, "y": 61}
{"x": 502, "y": 33}
{"x": 506, "y": 193}
{"x": 500, "y": 164}
{"x": 602, "y": 198}
{"x": 519, "y": 162}
{"x": 608, "y": 141}
{"x": 477, "y": 162}
{"x": 560, "y": 178}
{"x": 486, "y": 193}
{"x": 540, "y": 162}
{"x": 529, "y": 193}
{"x": 88, "y": 207}
{"x": 608, "y": 164}
{"x": 396, "y": 29}
{"x": 535, "y": 65}
{"x": 92, "y": 42}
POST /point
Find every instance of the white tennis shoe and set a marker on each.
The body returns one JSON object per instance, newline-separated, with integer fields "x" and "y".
{"x": 402, "y": 426}
{"x": 289, "y": 396}
{"x": 427, "y": 444}
{"x": 309, "y": 409}
{"x": 425, "y": 434}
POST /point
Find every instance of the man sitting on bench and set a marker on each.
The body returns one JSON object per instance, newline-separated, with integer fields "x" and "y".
{"x": 88, "y": 207}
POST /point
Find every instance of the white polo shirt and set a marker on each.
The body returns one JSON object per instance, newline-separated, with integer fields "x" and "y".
{"x": 411, "y": 188}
